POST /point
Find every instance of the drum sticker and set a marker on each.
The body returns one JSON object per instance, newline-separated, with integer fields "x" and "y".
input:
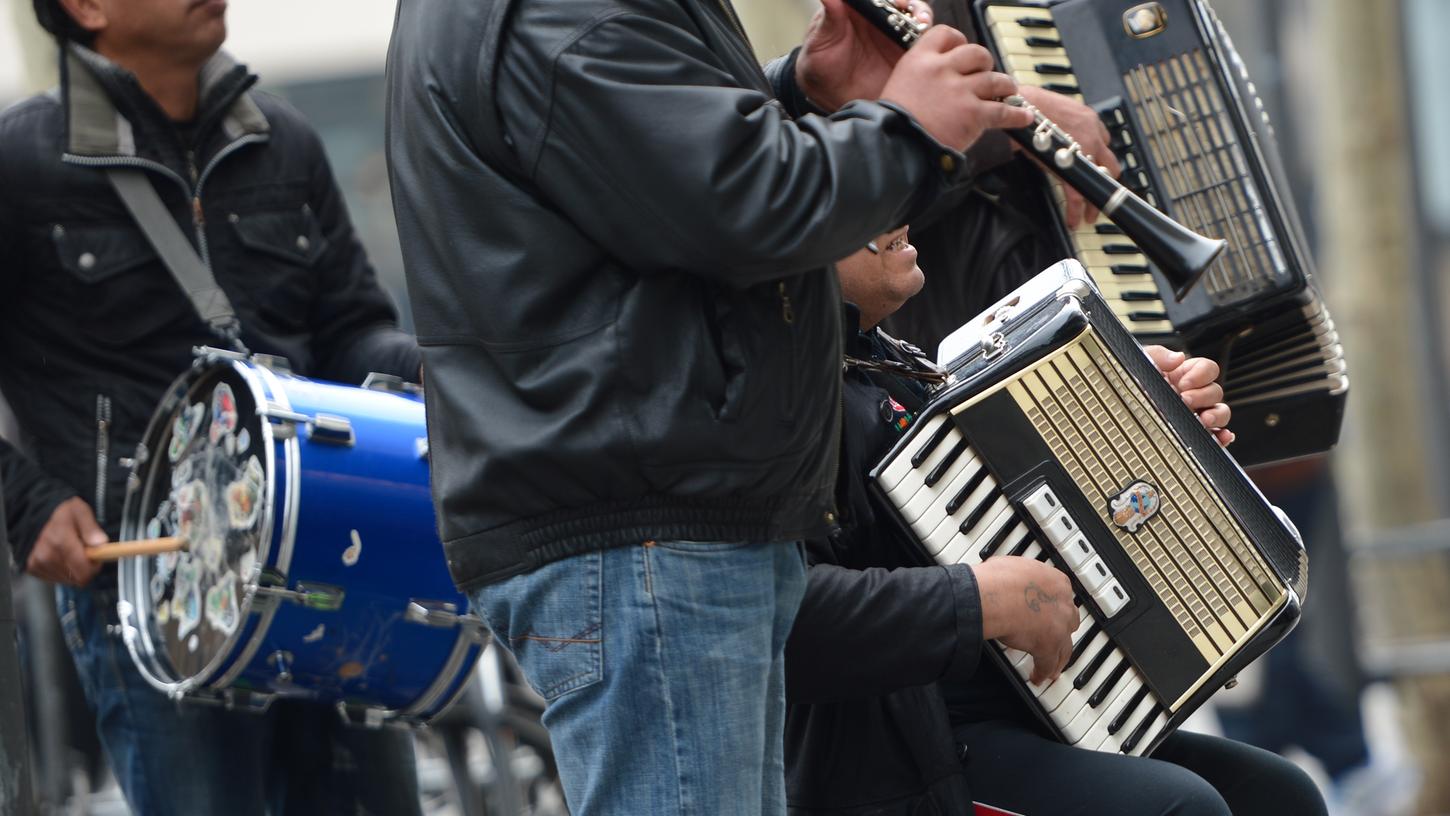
{"x": 192, "y": 642}
{"x": 163, "y": 613}
{"x": 244, "y": 496}
{"x": 244, "y": 440}
{"x": 223, "y": 413}
{"x": 183, "y": 429}
{"x": 158, "y": 587}
{"x": 194, "y": 520}
{"x": 221, "y": 604}
{"x": 354, "y": 552}
{"x": 1133, "y": 507}
{"x": 188, "y": 596}
{"x": 316, "y": 634}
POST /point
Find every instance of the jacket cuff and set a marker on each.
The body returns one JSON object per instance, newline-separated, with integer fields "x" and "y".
{"x": 968, "y": 602}
{"x": 781, "y": 74}
{"x": 953, "y": 167}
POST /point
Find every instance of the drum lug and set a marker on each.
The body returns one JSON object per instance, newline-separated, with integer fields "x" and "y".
{"x": 207, "y": 355}
{"x": 272, "y": 588}
{"x": 444, "y": 615}
{"x": 282, "y": 661}
{"x": 365, "y": 716}
{"x": 332, "y": 429}
{"x": 391, "y": 383}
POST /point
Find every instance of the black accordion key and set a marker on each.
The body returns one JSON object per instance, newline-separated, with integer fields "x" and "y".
{"x": 961, "y": 498}
{"x": 997, "y": 540}
{"x": 982, "y": 507}
{"x": 946, "y": 463}
{"x": 1112, "y": 680}
{"x": 1137, "y": 736}
{"x": 936, "y": 437}
{"x": 1127, "y": 713}
{"x": 1082, "y": 644}
{"x": 1086, "y": 675}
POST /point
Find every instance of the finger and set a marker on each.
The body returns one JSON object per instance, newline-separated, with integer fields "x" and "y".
{"x": 1001, "y": 116}
{"x": 79, "y": 570}
{"x": 1201, "y": 399}
{"x": 923, "y": 13}
{"x": 1107, "y": 160}
{"x": 1216, "y": 418}
{"x": 942, "y": 39}
{"x": 1224, "y": 436}
{"x": 987, "y": 85}
{"x": 1196, "y": 372}
{"x": 1075, "y": 207}
{"x": 42, "y": 565}
{"x": 1164, "y": 358}
{"x": 86, "y": 527}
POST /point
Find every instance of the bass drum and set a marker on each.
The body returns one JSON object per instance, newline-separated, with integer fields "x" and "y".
{"x": 313, "y": 567}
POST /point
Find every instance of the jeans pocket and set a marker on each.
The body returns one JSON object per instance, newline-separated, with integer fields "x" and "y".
{"x": 705, "y": 546}
{"x": 552, "y": 620}
{"x": 70, "y": 626}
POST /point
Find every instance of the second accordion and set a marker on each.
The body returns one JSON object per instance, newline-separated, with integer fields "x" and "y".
{"x": 1194, "y": 141}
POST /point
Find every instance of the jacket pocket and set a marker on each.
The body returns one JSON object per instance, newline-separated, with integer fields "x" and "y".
{"x": 121, "y": 290}
{"x": 281, "y": 249}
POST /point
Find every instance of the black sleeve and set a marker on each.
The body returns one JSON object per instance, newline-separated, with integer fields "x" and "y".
{"x": 863, "y": 633}
{"x": 695, "y": 173}
{"x": 354, "y": 322}
{"x": 781, "y": 73}
{"x": 30, "y": 498}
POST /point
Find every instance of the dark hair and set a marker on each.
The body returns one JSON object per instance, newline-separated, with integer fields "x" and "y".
{"x": 53, "y": 17}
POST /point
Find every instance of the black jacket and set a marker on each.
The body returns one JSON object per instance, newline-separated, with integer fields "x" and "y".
{"x": 867, "y": 730}
{"x": 94, "y": 327}
{"x": 617, "y": 240}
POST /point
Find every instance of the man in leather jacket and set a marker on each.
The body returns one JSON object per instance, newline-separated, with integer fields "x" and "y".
{"x": 892, "y": 707}
{"x": 95, "y": 328}
{"x": 617, "y": 232}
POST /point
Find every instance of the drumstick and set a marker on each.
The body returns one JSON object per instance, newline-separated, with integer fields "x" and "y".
{"x": 146, "y": 546}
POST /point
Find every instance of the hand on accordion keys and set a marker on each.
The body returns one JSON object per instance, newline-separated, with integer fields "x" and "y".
{"x": 1028, "y": 605}
{"x": 1196, "y": 380}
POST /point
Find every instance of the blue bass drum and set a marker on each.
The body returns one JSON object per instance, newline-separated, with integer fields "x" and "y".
{"x": 313, "y": 567}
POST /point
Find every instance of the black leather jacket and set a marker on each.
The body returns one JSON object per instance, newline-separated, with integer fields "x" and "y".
{"x": 617, "y": 240}
{"x": 880, "y": 631}
{"x": 94, "y": 327}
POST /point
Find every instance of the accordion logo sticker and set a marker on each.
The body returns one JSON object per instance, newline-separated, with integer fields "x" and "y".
{"x": 1145, "y": 21}
{"x": 1135, "y": 505}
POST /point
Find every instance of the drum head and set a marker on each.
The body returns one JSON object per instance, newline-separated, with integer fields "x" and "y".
{"x": 206, "y": 475}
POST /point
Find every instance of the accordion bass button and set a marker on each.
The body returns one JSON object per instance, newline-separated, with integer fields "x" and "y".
{"x": 1041, "y": 504}
{"x": 1232, "y": 681}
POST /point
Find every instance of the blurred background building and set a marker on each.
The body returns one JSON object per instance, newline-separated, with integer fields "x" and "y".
{"x": 1355, "y": 88}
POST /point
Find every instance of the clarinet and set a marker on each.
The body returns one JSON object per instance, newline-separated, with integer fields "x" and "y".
{"x": 1181, "y": 254}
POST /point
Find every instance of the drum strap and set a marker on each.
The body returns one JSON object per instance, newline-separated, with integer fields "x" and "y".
{"x": 177, "y": 253}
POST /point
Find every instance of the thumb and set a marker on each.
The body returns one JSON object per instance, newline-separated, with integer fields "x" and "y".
{"x": 85, "y": 521}
{"x": 832, "y": 20}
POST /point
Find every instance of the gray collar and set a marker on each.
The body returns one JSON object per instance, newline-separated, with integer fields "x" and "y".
{"x": 97, "y": 129}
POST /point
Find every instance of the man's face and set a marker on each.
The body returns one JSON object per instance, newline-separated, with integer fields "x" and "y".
{"x": 880, "y": 281}
{"x": 184, "y": 30}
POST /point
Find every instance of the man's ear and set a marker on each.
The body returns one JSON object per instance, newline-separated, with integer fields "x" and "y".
{"x": 88, "y": 14}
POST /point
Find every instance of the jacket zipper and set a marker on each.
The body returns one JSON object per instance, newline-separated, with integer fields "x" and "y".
{"x": 103, "y": 453}
{"x": 787, "y": 316}
{"x": 192, "y": 190}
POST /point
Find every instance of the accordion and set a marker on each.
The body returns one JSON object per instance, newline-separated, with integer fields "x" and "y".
{"x": 1194, "y": 141}
{"x": 1058, "y": 439}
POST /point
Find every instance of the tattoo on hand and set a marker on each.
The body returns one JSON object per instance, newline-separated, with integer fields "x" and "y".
{"x": 1036, "y": 597}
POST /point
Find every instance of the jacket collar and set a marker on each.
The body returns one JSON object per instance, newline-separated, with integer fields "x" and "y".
{"x": 92, "y": 86}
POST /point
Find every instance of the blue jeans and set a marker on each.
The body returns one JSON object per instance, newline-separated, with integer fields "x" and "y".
{"x": 192, "y": 758}
{"x": 663, "y": 667}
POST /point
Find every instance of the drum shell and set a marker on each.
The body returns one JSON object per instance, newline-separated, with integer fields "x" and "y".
{"x": 351, "y": 514}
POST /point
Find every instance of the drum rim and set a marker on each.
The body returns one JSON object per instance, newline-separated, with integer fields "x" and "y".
{"x": 134, "y": 619}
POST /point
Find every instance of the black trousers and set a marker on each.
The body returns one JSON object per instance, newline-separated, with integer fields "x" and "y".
{"x": 1011, "y": 765}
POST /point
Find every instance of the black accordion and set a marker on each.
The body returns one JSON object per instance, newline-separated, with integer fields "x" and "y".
{"x": 1058, "y": 439}
{"x": 1194, "y": 141}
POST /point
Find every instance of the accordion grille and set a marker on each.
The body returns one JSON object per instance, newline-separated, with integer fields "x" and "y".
{"x": 1107, "y": 436}
{"x": 1204, "y": 171}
